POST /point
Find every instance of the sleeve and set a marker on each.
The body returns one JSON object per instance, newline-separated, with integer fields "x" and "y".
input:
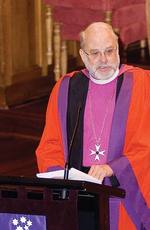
{"x": 50, "y": 151}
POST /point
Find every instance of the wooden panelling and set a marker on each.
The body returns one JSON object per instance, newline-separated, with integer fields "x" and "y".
{"x": 20, "y": 131}
{"x": 1, "y": 48}
{"x": 23, "y": 49}
{"x": 17, "y": 157}
{"x": 19, "y": 37}
{"x": 148, "y": 21}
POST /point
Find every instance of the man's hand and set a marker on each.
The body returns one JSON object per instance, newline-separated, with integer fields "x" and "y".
{"x": 100, "y": 171}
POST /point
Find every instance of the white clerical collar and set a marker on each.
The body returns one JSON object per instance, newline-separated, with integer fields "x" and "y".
{"x": 102, "y": 82}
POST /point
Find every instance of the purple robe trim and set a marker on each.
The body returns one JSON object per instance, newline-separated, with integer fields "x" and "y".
{"x": 62, "y": 109}
{"x": 54, "y": 168}
{"x": 117, "y": 136}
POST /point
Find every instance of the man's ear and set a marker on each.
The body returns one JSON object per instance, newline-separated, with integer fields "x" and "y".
{"x": 82, "y": 55}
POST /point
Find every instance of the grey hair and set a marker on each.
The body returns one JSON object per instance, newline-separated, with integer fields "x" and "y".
{"x": 82, "y": 39}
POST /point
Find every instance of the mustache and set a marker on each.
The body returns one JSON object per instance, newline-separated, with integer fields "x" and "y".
{"x": 93, "y": 72}
{"x": 103, "y": 66}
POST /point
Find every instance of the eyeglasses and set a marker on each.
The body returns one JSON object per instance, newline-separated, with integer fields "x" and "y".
{"x": 93, "y": 54}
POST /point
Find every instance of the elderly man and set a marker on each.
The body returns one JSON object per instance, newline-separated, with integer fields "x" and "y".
{"x": 112, "y": 105}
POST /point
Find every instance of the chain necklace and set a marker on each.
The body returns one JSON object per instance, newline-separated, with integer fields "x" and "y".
{"x": 98, "y": 152}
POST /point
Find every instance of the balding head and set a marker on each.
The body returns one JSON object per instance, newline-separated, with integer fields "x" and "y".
{"x": 97, "y": 30}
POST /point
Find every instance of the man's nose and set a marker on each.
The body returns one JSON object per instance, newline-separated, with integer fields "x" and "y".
{"x": 102, "y": 57}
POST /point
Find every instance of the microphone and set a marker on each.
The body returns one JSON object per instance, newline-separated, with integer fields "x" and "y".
{"x": 67, "y": 164}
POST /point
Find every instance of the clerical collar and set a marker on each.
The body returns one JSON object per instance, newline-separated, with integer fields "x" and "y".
{"x": 102, "y": 82}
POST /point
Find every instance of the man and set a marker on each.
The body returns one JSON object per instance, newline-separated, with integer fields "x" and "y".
{"x": 111, "y": 104}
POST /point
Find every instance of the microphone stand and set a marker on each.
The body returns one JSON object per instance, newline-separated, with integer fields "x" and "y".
{"x": 67, "y": 164}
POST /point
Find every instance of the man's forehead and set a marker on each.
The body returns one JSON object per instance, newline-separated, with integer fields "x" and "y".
{"x": 99, "y": 42}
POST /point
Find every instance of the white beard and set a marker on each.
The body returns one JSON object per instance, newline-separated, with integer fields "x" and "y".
{"x": 97, "y": 75}
{"x": 105, "y": 81}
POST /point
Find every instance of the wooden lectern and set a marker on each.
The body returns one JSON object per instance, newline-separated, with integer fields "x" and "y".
{"x": 36, "y": 196}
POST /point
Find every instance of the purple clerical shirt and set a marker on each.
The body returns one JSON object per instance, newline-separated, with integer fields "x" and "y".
{"x": 97, "y": 122}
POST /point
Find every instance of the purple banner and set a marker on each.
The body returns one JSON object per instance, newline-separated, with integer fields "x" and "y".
{"x": 9, "y": 221}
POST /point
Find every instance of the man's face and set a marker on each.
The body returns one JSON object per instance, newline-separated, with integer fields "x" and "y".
{"x": 100, "y": 54}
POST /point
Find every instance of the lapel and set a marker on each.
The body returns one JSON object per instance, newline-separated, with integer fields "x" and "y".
{"x": 118, "y": 129}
